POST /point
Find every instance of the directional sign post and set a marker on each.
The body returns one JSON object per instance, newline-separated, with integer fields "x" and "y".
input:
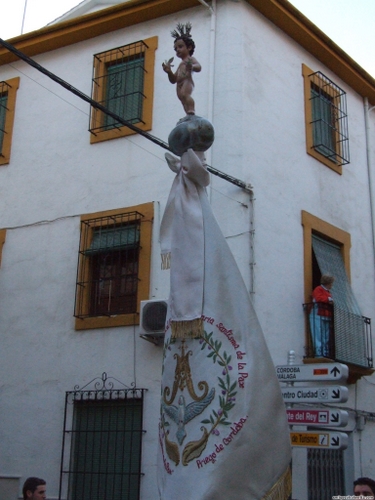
{"x": 317, "y": 417}
{"x": 332, "y": 440}
{"x": 323, "y": 372}
{"x": 322, "y": 394}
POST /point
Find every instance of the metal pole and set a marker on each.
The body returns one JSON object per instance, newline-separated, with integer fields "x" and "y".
{"x": 23, "y": 17}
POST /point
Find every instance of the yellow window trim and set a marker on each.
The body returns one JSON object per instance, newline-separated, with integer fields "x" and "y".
{"x": 9, "y": 120}
{"x": 146, "y": 124}
{"x": 3, "y": 233}
{"x": 147, "y": 210}
{"x": 313, "y": 225}
{"x": 306, "y": 72}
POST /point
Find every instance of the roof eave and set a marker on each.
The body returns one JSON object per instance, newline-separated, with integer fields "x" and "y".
{"x": 280, "y": 12}
{"x": 290, "y": 20}
{"x": 91, "y": 25}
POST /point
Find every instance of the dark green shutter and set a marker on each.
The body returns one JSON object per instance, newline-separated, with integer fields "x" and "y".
{"x": 349, "y": 326}
{"x": 116, "y": 238}
{"x": 124, "y": 90}
{"x": 3, "y": 109}
{"x": 323, "y": 123}
{"x": 106, "y": 451}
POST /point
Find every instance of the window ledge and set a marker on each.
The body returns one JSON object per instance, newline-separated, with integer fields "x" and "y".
{"x": 107, "y": 321}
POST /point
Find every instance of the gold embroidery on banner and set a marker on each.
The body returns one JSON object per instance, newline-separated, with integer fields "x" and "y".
{"x": 191, "y": 329}
{"x": 182, "y": 378}
{"x": 182, "y": 413}
{"x": 165, "y": 261}
{"x": 194, "y": 449}
{"x": 282, "y": 489}
{"x": 172, "y": 449}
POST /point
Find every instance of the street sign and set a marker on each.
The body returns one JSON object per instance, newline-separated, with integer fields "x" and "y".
{"x": 324, "y": 372}
{"x": 332, "y": 440}
{"x": 317, "y": 417}
{"x": 321, "y": 394}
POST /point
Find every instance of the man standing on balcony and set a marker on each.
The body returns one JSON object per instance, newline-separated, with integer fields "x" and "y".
{"x": 321, "y": 315}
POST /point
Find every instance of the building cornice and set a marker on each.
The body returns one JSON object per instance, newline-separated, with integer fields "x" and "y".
{"x": 290, "y": 20}
{"x": 280, "y": 12}
{"x": 92, "y": 25}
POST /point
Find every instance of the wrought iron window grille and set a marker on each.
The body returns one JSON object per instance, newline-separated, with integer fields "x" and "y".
{"x": 102, "y": 441}
{"x": 347, "y": 336}
{"x": 4, "y": 88}
{"x": 108, "y": 265}
{"x": 329, "y": 119}
{"x": 118, "y": 84}
{"x": 339, "y": 331}
{"x": 325, "y": 473}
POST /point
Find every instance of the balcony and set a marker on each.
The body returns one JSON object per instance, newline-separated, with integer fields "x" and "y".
{"x": 335, "y": 334}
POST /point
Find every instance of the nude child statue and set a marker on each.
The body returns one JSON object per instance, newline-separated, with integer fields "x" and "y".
{"x": 184, "y": 47}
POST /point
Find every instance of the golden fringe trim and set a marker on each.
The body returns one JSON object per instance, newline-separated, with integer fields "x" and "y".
{"x": 166, "y": 261}
{"x": 282, "y": 489}
{"x": 192, "y": 329}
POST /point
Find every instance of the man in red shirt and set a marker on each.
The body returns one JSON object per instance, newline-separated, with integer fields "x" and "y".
{"x": 321, "y": 315}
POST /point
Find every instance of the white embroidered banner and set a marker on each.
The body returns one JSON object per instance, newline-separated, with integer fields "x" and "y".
{"x": 223, "y": 432}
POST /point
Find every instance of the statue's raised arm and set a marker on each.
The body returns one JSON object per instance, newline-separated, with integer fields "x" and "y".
{"x": 184, "y": 47}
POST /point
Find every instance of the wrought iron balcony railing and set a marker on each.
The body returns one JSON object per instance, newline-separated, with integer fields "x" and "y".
{"x": 338, "y": 334}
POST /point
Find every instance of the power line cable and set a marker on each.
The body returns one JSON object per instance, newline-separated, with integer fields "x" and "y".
{"x": 106, "y": 111}
{"x": 83, "y": 96}
{"x": 128, "y": 138}
{"x": 79, "y": 109}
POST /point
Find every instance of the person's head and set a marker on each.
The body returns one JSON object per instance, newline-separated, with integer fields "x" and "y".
{"x": 34, "y": 488}
{"x": 364, "y": 486}
{"x": 327, "y": 280}
{"x": 182, "y": 34}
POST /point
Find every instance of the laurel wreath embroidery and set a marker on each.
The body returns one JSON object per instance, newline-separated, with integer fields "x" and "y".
{"x": 228, "y": 393}
{"x": 194, "y": 449}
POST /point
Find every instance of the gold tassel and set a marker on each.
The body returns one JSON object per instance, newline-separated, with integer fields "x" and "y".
{"x": 192, "y": 329}
{"x": 166, "y": 261}
{"x": 282, "y": 489}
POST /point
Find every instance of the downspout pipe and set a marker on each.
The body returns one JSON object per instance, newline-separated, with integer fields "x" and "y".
{"x": 211, "y": 70}
{"x": 210, "y": 116}
{"x": 367, "y": 110}
{"x": 209, "y": 7}
{"x": 211, "y": 74}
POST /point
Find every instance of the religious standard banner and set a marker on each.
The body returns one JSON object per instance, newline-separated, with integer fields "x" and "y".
{"x": 223, "y": 432}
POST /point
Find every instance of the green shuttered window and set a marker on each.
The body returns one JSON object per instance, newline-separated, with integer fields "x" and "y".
{"x": 106, "y": 450}
{"x": 124, "y": 90}
{"x": 123, "y": 83}
{"x": 3, "y": 109}
{"x": 109, "y": 265}
{"x": 349, "y": 324}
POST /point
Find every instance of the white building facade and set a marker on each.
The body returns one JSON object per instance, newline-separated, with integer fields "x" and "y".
{"x": 81, "y": 210}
